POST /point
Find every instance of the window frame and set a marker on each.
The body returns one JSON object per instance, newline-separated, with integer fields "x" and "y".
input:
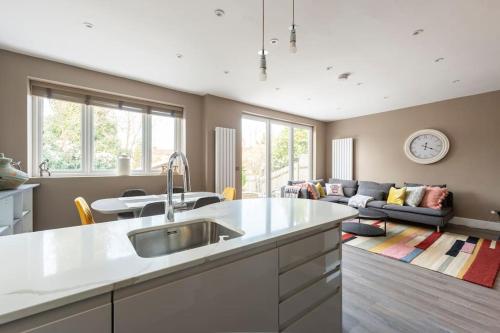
{"x": 292, "y": 126}
{"x": 87, "y": 142}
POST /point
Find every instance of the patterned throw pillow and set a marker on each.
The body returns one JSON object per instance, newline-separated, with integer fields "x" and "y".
{"x": 434, "y": 197}
{"x": 414, "y": 195}
{"x": 334, "y": 189}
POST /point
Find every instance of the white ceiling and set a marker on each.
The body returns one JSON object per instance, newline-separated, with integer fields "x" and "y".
{"x": 370, "y": 38}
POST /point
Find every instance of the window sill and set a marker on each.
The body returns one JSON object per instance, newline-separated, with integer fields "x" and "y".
{"x": 62, "y": 176}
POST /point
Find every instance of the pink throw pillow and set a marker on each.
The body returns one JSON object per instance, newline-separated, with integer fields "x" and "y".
{"x": 434, "y": 197}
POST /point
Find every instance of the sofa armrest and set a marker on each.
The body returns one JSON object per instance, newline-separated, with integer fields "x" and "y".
{"x": 448, "y": 201}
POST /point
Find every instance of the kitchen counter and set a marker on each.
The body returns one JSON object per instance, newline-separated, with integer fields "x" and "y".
{"x": 48, "y": 269}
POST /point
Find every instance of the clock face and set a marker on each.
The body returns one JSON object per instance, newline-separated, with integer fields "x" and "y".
{"x": 426, "y": 146}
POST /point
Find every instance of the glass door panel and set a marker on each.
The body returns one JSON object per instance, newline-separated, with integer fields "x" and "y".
{"x": 301, "y": 153}
{"x": 254, "y": 156}
{"x": 280, "y": 157}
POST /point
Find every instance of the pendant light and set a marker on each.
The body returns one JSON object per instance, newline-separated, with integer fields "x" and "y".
{"x": 263, "y": 52}
{"x": 293, "y": 36}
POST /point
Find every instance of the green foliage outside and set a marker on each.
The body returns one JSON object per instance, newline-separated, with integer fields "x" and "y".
{"x": 62, "y": 136}
{"x": 115, "y": 133}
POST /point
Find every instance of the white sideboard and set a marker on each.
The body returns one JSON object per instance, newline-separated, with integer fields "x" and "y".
{"x": 16, "y": 210}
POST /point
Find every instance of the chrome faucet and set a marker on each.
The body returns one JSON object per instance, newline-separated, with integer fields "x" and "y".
{"x": 169, "y": 213}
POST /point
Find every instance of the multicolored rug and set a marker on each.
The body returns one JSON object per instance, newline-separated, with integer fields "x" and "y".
{"x": 467, "y": 258}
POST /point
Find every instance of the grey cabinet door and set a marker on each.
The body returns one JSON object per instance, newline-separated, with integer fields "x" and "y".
{"x": 325, "y": 318}
{"x": 93, "y": 315}
{"x": 240, "y": 296}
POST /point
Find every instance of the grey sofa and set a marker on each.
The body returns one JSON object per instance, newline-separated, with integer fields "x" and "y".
{"x": 380, "y": 191}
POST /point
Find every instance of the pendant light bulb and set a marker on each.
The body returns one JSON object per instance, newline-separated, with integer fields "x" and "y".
{"x": 293, "y": 40}
{"x": 263, "y": 66}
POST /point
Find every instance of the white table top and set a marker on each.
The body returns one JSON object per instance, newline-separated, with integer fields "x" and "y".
{"x": 131, "y": 204}
{"x": 47, "y": 269}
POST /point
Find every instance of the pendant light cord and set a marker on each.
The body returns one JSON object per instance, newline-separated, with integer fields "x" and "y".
{"x": 293, "y": 13}
{"x": 263, "y": 26}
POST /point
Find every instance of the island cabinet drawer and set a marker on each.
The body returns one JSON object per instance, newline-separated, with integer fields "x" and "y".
{"x": 298, "y": 277}
{"x": 296, "y": 306}
{"x": 300, "y": 251}
{"x": 326, "y": 317}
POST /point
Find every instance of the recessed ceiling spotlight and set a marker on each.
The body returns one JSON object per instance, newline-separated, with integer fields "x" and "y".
{"x": 339, "y": 108}
{"x": 179, "y": 56}
{"x": 418, "y": 32}
{"x": 456, "y": 81}
{"x": 219, "y": 12}
{"x": 276, "y": 88}
{"x": 386, "y": 97}
{"x": 439, "y": 60}
{"x": 274, "y": 41}
{"x": 226, "y": 72}
{"x": 344, "y": 76}
{"x": 359, "y": 83}
{"x": 329, "y": 68}
{"x": 308, "y": 98}
{"x": 88, "y": 25}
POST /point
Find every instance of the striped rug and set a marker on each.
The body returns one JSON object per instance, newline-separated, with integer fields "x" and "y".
{"x": 467, "y": 258}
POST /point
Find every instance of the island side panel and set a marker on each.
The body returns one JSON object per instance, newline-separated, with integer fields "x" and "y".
{"x": 240, "y": 296}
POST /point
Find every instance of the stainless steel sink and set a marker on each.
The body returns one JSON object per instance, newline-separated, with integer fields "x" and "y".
{"x": 168, "y": 239}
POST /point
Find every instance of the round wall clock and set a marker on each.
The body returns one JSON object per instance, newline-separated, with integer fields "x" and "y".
{"x": 426, "y": 146}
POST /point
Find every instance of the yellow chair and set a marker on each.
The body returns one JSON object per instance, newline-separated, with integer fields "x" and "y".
{"x": 84, "y": 211}
{"x": 229, "y": 193}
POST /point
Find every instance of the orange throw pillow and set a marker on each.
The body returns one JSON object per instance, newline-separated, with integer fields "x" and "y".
{"x": 434, "y": 197}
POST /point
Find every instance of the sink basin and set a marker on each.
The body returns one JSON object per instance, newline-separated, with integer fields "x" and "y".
{"x": 169, "y": 239}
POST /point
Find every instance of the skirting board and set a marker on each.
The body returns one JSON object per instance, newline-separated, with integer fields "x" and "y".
{"x": 473, "y": 223}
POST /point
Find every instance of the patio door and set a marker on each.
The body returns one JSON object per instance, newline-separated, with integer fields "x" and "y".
{"x": 273, "y": 152}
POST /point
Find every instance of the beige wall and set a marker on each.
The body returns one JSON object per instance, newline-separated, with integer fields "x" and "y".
{"x": 54, "y": 199}
{"x": 471, "y": 168}
{"x": 221, "y": 112}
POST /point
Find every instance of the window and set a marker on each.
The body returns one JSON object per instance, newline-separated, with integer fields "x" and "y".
{"x": 87, "y": 138}
{"x": 273, "y": 152}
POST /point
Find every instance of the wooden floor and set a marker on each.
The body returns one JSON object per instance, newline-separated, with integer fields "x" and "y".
{"x": 384, "y": 295}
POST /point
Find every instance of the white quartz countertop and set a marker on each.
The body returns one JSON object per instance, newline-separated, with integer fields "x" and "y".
{"x": 47, "y": 269}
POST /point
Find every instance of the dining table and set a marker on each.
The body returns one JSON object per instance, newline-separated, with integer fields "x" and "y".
{"x": 117, "y": 205}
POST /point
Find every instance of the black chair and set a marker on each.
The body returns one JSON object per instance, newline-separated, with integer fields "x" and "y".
{"x": 136, "y": 192}
{"x": 153, "y": 208}
{"x": 205, "y": 201}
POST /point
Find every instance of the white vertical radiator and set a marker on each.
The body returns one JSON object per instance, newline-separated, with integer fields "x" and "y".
{"x": 225, "y": 158}
{"x": 342, "y": 158}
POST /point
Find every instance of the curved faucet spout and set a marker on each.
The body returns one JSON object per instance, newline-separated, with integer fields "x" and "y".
{"x": 170, "y": 182}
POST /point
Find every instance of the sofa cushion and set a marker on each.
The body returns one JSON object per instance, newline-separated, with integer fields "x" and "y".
{"x": 295, "y": 182}
{"x": 417, "y": 185}
{"x": 378, "y": 191}
{"x": 350, "y": 187}
{"x": 335, "y": 198}
{"x": 419, "y": 210}
{"x": 376, "y": 204}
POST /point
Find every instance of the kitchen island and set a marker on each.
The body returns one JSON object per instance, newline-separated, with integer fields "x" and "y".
{"x": 279, "y": 271}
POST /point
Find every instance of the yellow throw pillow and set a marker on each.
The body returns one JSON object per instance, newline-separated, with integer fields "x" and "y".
{"x": 396, "y": 196}
{"x": 321, "y": 190}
